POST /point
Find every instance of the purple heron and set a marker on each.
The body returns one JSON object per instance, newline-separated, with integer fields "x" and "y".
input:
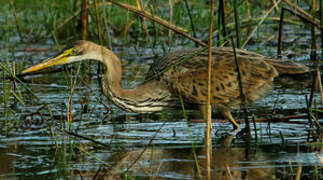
{"x": 167, "y": 79}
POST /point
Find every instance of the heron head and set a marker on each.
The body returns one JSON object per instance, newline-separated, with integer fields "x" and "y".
{"x": 72, "y": 53}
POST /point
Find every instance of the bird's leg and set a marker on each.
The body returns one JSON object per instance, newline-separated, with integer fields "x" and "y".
{"x": 228, "y": 115}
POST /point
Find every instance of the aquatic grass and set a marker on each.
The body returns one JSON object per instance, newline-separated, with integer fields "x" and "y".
{"x": 5, "y": 98}
{"x": 259, "y": 24}
{"x": 191, "y": 138}
{"x": 145, "y": 148}
{"x": 187, "y": 7}
{"x": 59, "y": 36}
{"x": 66, "y": 18}
{"x": 158, "y": 20}
{"x": 11, "y": 2}
{"x": 10, "y": 69}
{"x": 143, "y": 23}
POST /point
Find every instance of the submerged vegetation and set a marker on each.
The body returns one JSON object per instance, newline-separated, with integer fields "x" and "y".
{"x": 57, "y": 124}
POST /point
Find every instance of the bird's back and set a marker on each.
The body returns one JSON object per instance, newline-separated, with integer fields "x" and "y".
{"x": 185, "y": 73}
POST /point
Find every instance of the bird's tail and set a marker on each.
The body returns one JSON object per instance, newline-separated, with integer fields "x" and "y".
{"x": 288, "y": 67}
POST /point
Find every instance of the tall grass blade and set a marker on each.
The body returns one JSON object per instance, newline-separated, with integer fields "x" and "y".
{"x": 191, "y": 138}
{"x": 12, "y": 4}
{"x": 236, "y": 19}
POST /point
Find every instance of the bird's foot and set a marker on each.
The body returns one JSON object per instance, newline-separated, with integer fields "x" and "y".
{"x": 244, "y": 134}
{"x": 234, "y": 130}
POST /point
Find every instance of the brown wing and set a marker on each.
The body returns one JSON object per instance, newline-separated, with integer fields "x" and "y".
{"x": 189, "y": 79}
{"x": 170, "y": 59}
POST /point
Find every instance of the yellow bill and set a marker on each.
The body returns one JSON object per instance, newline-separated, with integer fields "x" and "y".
{"x": 61, "y": 58}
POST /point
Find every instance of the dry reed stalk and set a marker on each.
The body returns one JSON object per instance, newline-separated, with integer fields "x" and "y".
{"x": 142, "y": 19}
{"x": 208, "y": 130}
{"x": 53, "y": 136}
{"x": 302, "y": 14}
{"x": 275, "y": 4}
{"x": 98, "y": 22}
{"x": 84, "y": 18}
{"x": 158, "y": 20}
{"x": 170, "y": 14}
{"x": 126, "y": 27}
{"x": 260, "y": 22}
{"x": 70, "y": 99}
{"x": 299, "y": 171}
{"x": 108, "y": 37}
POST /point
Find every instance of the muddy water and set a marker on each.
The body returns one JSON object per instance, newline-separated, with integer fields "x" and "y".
{"x": 36, "y": 141}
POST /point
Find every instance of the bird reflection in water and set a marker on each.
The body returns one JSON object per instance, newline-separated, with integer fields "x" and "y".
{"x": 227, "y": 163}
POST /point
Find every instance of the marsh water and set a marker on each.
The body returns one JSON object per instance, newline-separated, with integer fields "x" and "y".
{"x": 46, "y": 137}
{"x": 38, "y": 142}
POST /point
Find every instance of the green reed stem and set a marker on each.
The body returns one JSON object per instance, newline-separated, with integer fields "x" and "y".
{"x": 191, "y": 20}
{"x": 190, "y": 136}
{"x": 242, "y": 95}
{"x": 12, "y": 5}
{"x": 7, "y": 60}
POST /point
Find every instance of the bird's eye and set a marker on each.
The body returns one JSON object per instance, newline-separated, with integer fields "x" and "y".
{"x": 74, "y": 51}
